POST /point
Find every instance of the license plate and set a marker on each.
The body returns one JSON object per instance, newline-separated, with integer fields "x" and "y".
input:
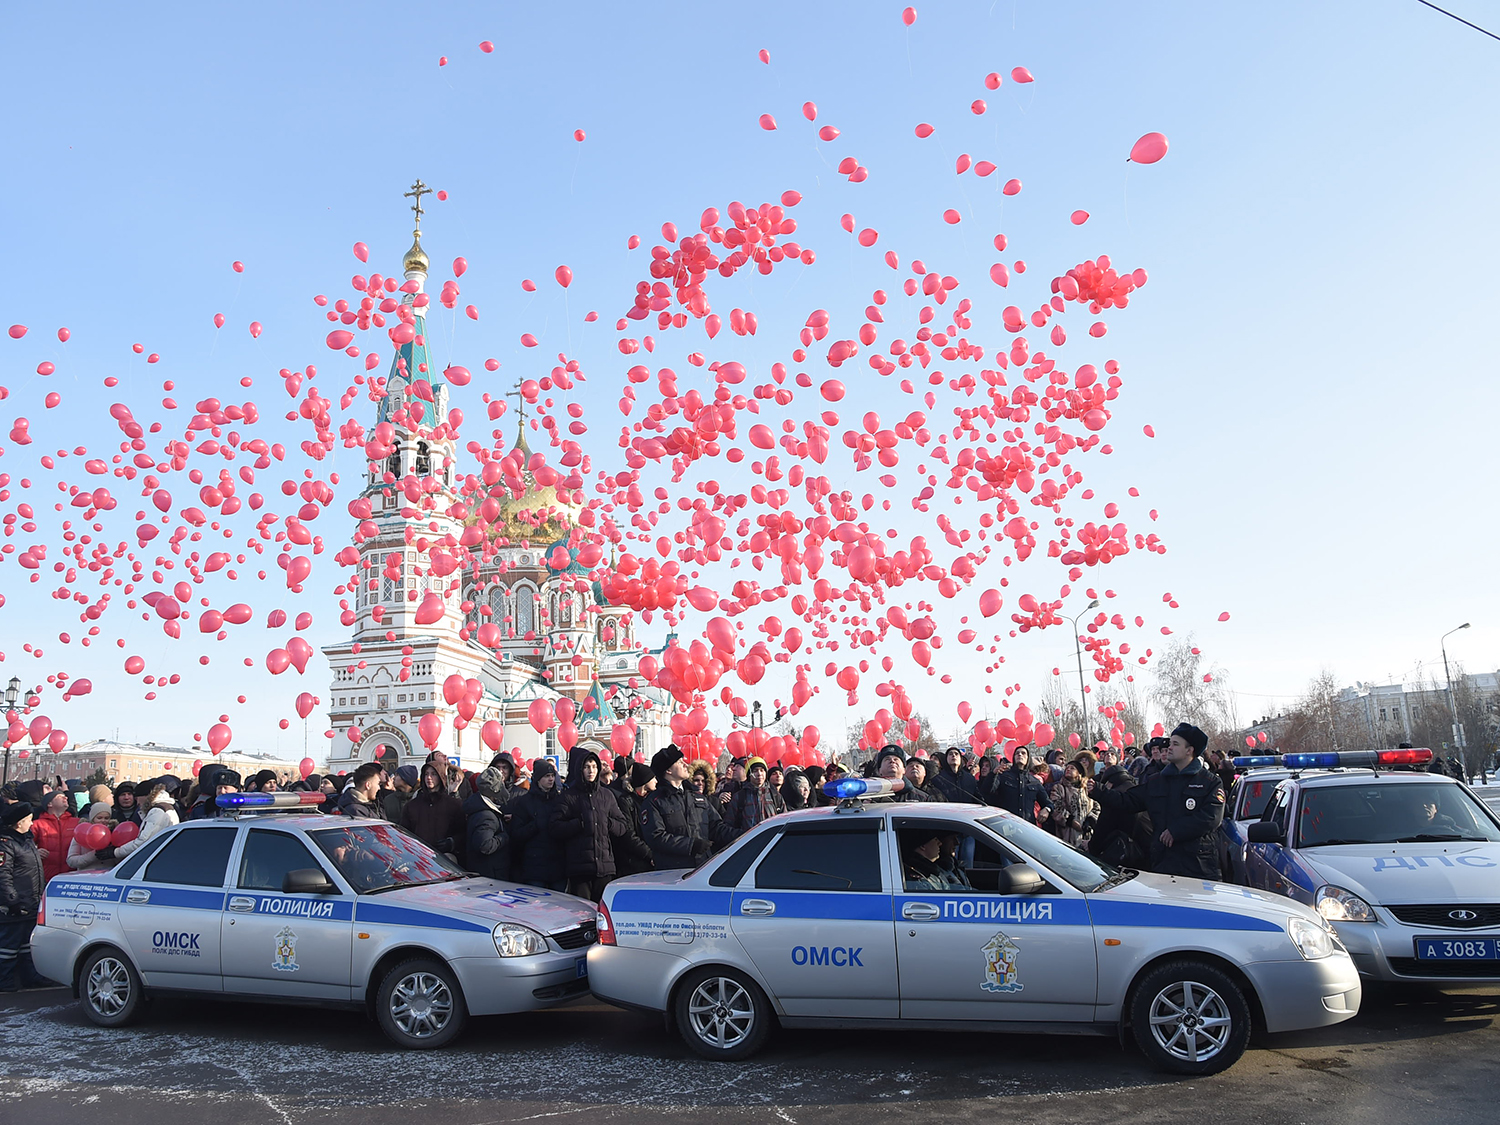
{"x": 581, "y": 967}
{"x": 1458, "y": 949}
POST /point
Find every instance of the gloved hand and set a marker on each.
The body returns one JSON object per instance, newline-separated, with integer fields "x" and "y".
{"x": 104, "y": 855}
{"x": 444, "y": 845}
{"x": 700, "y": 848}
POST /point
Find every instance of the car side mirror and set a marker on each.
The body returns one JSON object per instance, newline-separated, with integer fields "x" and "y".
{"x": 1020, "y": 879}
{"x": 307, "y": 881}
{"x": 1265, "y": 832}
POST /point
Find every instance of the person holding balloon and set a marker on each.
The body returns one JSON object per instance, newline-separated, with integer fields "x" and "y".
{"x": 90, "y": 847}
{"x": 161, "y": 813}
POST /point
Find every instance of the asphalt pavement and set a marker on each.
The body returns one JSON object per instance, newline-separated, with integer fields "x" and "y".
{"x": 1411, "y": 1055}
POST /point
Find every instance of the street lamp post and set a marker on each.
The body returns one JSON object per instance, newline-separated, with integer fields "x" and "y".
{"x": 1458, "y": 738}
{"x": 12, "y": 693}
{"x": 1083, "y": 701}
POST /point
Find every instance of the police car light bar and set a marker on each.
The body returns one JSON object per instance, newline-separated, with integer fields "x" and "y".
{"x": 861, "y": 788}
{"x": 264, "y": 802}
{"x": 1367, "y": 759}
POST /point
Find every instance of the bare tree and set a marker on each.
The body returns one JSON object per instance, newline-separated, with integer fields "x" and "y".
{"x": 1321, "y": 721}
{"x": 1187, "y": 690}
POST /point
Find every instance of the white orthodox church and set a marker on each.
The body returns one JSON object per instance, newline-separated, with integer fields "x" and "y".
{"x": 556, "y": 637}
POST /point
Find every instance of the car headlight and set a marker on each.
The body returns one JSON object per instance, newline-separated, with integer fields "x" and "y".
{"x": 518, "y": 941}
{"x": 1311, "y": 939}
{"x": 1339, "y": 905}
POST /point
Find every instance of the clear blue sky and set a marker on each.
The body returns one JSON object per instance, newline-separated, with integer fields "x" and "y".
{"x": 1313, "y": 349}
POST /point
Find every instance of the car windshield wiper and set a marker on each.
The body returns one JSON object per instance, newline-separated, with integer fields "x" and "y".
{"x": 1124, "y": 875}
{"x": 404, "y": 886}
{"x": 1330, "y": 843}
{"x": 1433, "y": 837}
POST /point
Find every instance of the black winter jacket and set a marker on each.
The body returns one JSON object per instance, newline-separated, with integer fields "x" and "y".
{"x": 681, "y": 828}
{"x": 540, "y": 859}
{"x": 21, "y": 880}
{"x": 488, "y": 843}
{"x": 632, "y": 853}
{"x": 1121, "y": 837}
{"x": 1189, "y": 803}
{"x": 1017, "y": 791}
{"x": 436, "y": 816}
{"x": 589, "y": 818}
{"x": 956, "y": 786}
{"x": 351, "y": 805}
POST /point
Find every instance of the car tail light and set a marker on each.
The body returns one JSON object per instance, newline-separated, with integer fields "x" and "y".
{"x": 41, "y": 911}
{"x": 605, "y": 926}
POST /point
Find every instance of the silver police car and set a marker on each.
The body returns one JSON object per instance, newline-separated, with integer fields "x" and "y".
{"x": 876, "y": 915}
{"x": 1404, "y": 865}
{"x": 300, "y": 908}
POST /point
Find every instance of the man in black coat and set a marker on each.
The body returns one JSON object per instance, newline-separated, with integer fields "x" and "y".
{"x": 540, "y": 859}
{"x": 632, "y": 853}
{"x": 588, "y": 821}
{"x": 1121, "y": 837}
{"x": 1186, "y": 803}
{"x": 435, "y": 816}
{"x": 681, "y": 828}
{"x": 488, "y": 842}
{"x": 1017, "y": 789}
{"x": 21, "y": 886}
{"x": 359, "y": 800}
{"x": 953, "y": 782}
{"x": 890, "y": 765}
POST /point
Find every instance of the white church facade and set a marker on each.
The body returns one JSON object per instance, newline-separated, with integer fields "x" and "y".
{"x": 524, "y": 629}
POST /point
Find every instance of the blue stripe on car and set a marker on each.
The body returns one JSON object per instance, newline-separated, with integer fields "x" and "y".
{"x": 1155, "y": 915}
{"x": 404, "y": 916}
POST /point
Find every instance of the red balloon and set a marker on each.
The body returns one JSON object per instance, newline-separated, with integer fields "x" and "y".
{"x": 564, "y": 276}
{"x": 540, "y": 715}
{"x": 493, "y": 735}
{"x": 219, "y": 736}
{"x": 125, "y": 831}
{"x": 1149, "y": 149}
{"x": 430, "y": 728}
{"x": 95, "y": 836}
{"x": 305, "y": 704}
{"x": 306, "y": 767}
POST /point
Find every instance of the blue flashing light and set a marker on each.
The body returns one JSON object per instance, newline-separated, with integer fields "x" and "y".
{"x": 268, "y": 800}
{"x": 1324, "y": 761}
{"x": 1256, "y": 761}
{"x": 850, "y": 788}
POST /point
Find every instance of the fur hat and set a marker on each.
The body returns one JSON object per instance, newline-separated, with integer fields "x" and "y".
{"x": 665, "y": 759}
{"x": 1192, "y": 736}
{"x": 12, "y": 815}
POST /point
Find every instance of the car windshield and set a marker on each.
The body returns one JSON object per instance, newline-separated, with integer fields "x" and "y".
{"x": 1254, "y": 797}
{"x": 1083, "y": 871}
{"x": 1390, "y": 813}
{"x": 381, "y": 857}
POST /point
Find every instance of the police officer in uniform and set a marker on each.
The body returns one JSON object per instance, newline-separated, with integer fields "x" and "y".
{"x": 20, "y": 893}
{"x": 1186, "y": 804}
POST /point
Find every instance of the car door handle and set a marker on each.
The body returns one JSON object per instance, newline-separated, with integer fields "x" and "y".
{"x": 241, "y": 903}
{"x": 138, "y": 895}
{"x": 920, "y": 911}
{"x": 757, "y": 907}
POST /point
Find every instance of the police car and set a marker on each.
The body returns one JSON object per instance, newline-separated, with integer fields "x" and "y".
{"x": 885, "y": 915}
{"x": 1406, "y": 866}
{"x": 300, "y": 908}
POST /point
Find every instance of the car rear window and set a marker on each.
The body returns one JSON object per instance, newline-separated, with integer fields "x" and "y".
{"x": 823, "y": 861}
{"x": 195, "y": 857}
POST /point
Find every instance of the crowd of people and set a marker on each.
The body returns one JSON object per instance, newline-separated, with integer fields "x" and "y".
{"x": 1153, "y": 808}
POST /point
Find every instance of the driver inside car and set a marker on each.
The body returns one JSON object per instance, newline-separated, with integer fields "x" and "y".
{"x": 919, "y": 862}
{"x": 949, "y": 869}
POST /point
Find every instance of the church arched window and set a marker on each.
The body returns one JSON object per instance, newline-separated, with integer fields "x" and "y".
{"x": 393, "y": 464}
{"x": 525, "y": 610}
{"x": 424, "y": 459}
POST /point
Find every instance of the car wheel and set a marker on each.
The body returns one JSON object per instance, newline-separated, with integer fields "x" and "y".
{"x": 111, "y": 989}
{"x": 1190, "y": 1018}
{"x": 419, "y": 1005}
{"x": 722, "y": 1014}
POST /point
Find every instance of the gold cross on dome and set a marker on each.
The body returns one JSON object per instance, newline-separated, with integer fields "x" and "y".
{"x": 520, "y": 403}
{"x": 418, "y": 190}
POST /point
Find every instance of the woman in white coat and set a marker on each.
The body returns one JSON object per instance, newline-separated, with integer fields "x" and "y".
{"x": 161, "y": 814}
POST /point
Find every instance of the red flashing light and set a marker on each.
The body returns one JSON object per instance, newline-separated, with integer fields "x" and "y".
{"x": 1418, "y": 756}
